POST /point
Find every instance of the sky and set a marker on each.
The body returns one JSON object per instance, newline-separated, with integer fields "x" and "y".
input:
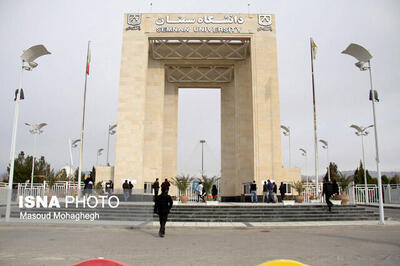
{"x": 54, "y": 90}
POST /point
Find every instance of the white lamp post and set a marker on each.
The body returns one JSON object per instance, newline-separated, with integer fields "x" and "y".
{"x": 27, "y": 63}
{"x": 363, "y": 56}
{"x": 36, "y": 130}
{"x": 362, "y": 131}
{"x": 286, "y": 132}
{"x": 304, "y": 153}
{"x": 72, "y": 144}
{"x": 202, "y": 157}
{"x": 325, "y": 146}
{"x": 111, "y": 131}
{"x": 99, "y": 152}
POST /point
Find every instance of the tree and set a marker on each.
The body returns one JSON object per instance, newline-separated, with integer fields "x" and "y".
{"x": 77, "y": 174}
{"x": 182, "y": 183}
{"x": 344, "y": 182}
{"x": 333, "y": 169}
{"x": 385, "y": 180}
{"x": 23, "y": 169}
{"x": 208, "y": 183}
{"x": 395, "y": 179}
{"x": 359, "y": 175}
{"x": 93, "y": 174}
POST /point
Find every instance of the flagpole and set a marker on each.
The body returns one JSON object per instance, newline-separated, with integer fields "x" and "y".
{"x": 83, "y": 123}
{"x": 315, "y": 120}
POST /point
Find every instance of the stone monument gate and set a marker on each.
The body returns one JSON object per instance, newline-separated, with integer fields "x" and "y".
{"x": 234, "y": 52}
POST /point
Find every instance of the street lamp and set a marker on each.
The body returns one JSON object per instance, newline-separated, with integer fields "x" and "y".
{"x": 27, "y": 63}
{"x": 99, "y": 152}
{"x": 304, "y": 153}
{"x": 202, "y": 156}
{"x": 325, "y": 146}
{"x": 363, "y": 56}
{"x": 362, "y": 131}
{"x": 111, "y": 131}
{"x": 36, "y": 130}
{"x": 73, "y": 144}
{"x": 286, "y": 132}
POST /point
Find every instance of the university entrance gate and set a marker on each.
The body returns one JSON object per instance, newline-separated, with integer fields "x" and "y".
{"x": 236, "y": 53}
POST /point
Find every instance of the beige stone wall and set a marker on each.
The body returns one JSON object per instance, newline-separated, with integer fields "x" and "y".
{"x": 104, "y": 173}
{"x": 146, "y": 144}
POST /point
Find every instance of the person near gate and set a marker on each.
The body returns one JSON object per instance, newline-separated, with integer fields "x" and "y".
{"x": 125, "y": 188}
{"x": 214, "y": 192}
{"x": 253, "y": 191}
{"x": 282, "y": 190}
{"x": 156, "y": 187}
{"x": 162, "y": 206}
{"x": 327, "y": 190}
{"x": 265, "y": 191}
{"x": 270, "y": 187}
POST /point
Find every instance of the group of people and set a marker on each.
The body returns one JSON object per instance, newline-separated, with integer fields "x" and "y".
{"x": 201, "y": 192}
{"x": 127, "y": 187}
{"x": 156, "y": 186}
{"x": 269, "y": 191}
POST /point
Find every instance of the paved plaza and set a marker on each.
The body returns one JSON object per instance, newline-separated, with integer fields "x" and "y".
{"x": 38, "y": 244}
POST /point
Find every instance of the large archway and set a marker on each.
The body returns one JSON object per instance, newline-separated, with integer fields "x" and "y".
{"x": 164, "y": 52}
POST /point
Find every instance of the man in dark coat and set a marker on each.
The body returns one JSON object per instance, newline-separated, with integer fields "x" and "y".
{"x": 253, "y": 191}
{"x": 162, "y": 206}
{"x": 156, "y": 187}
{"x": 327, "y": 190}
{"x": 282, "y": 190}
{"x": 166, "y": 184}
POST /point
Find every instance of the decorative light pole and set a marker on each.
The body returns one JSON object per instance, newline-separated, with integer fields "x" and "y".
{"x": 286, "y": 132}
{"x": 202, "y": 156}
{"x": 325, "y": 146}
{"x": 73, "y": 144}
{"x": 362, "y": 131}
{"x": 99, "y": 152}
{"x": 364, "y": 56}
{"x": 27, "y": 63}
{"x": 304, "y": 153}
{"x": 36, "y": 130}
{"x": 111, "y": 131}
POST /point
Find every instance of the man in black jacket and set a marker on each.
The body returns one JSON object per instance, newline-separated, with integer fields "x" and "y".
{"x": 162, "y": 207}
{"x": 327, "y": 190}
{"x": 253, "y": 191}
{"x": 156, "y": 187}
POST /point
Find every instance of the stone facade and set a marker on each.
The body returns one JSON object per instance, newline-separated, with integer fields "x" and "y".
{"x": 243, "y": 45}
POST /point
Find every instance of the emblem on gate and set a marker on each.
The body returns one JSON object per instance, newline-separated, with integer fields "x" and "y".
{"x": 134, "y": 21}
{"x": 265, "y": 21}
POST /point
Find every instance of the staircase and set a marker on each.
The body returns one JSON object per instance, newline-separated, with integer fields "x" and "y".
{"x": 222, "y": 213}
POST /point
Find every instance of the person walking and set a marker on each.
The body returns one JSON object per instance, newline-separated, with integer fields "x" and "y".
{"x": 265, "y": 191}
{"x": 156, "y": 187}
{"x": 130, "y": 188}
{"x": 253, "y": 191}
{"x": 270, "y": 187}
{"x": 125, "y": 188}
{"x": 109, "y": 187}
{"x": 327, "y": 190}
{"x": 166, "y": 184}
{"x": 282, "y": 190}
{"x": 88, "y": 185}
{"x": 162, "y": 206}
{"x": 274, "y": 192}
{"x": 214, "y": 192}
{"x": 200, "y": 192}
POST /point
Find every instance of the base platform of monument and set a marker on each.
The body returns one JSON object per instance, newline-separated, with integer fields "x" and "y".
{"x": 221, "y": 213}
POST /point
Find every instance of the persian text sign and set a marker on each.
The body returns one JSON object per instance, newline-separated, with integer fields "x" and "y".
{"x": 202, "y": 24}
{"x": 228, "y": 24}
